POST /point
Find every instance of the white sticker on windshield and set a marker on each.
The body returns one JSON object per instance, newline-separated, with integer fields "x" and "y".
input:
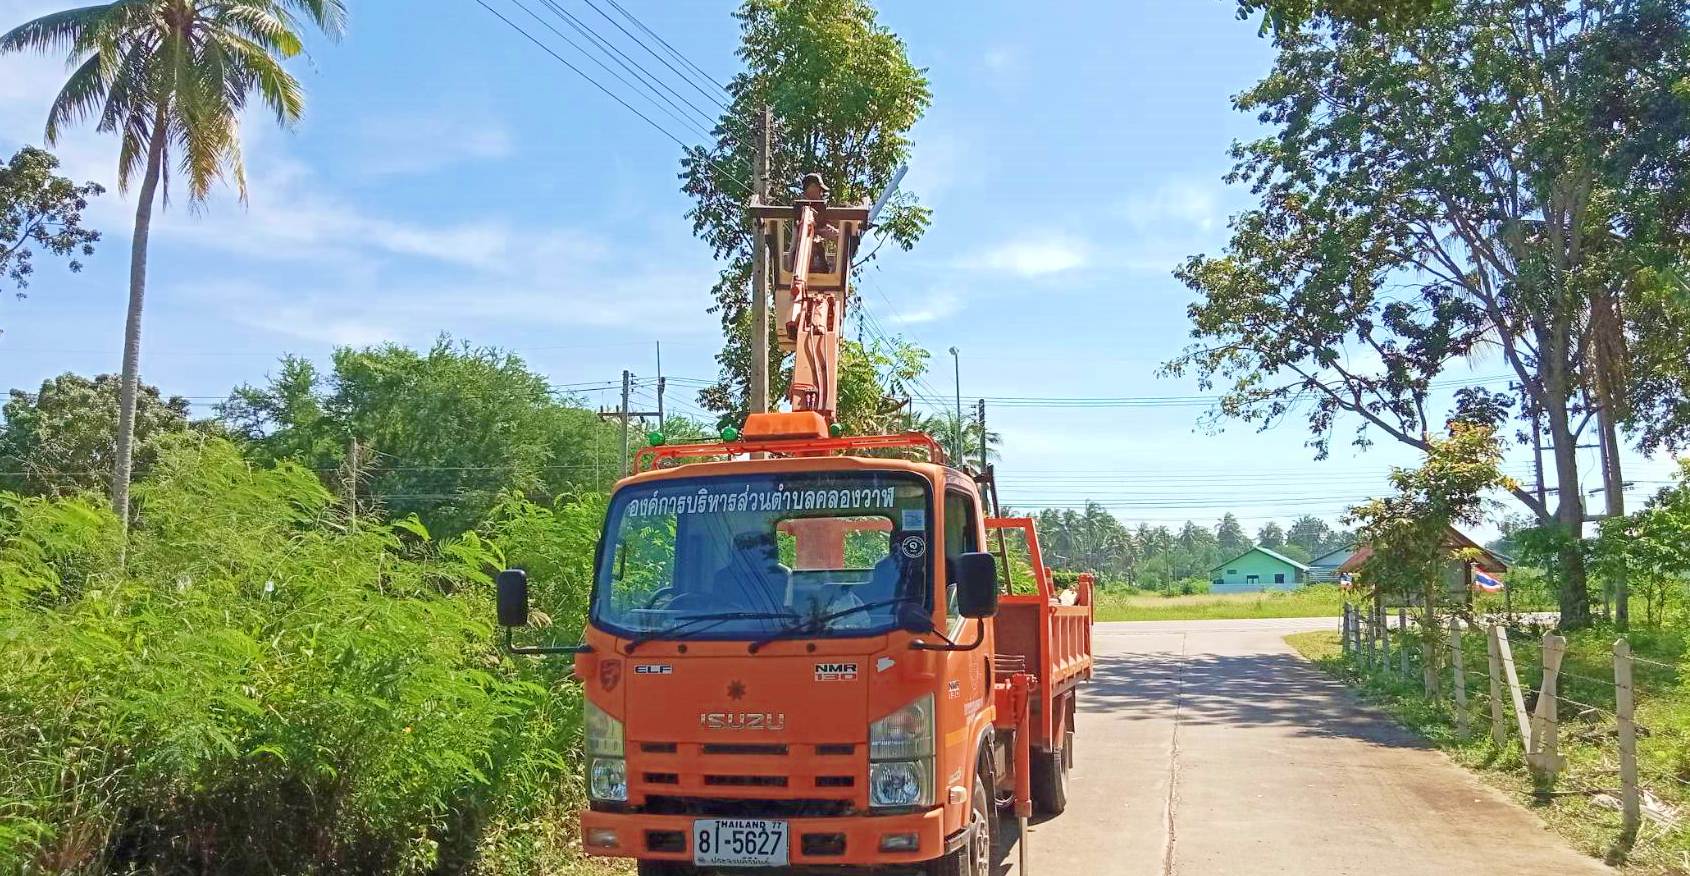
{"x": 915, "y": 518}
{"x": 913, "y": 546}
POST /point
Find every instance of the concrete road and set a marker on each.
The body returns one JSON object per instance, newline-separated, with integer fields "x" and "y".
{"x": 1210, "y": 747}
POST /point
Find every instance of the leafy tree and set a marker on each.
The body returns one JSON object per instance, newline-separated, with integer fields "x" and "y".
{"x": 441, "y": 434}
{"x": 60, "y": 441}
{"x": 1230, "y": 536}
{"x": 1271, "y": 536}
{"x": 1312, "y": 534}
{"x": 39, "y": 209}
{"x": 1289, "y": 15}
{"x": 170, "y": 78}
{"x": 872, "y": 378}
{"x": 1467, "y": 185}
{"x": 1651, "y": 548}
{"x": 843, "y": 95}
{"x": 1408, "y": 529}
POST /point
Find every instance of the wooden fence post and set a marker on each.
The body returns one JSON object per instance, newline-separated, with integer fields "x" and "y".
{"x": 1402, "y": 648}
{"x": 1367, "y": 641}
{"x": 1546, "y": 718}
{"x": 1459, "y": 679}
{"x": 1513, "y": 677}
{"x": 1498, "y": 729}
{"x": 1625, "y": 705}
{"x": 1383, "y": 620}
{"x": 1344, "y": 632}
{"x": 1429, "y": 656}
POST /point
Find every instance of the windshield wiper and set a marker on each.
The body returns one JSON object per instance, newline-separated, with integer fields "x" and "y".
{"x": 708, "y": 620}
{"x": 813, "y": 625}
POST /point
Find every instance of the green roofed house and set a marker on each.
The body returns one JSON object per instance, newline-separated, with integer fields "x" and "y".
{"x": 1256, "y": 570}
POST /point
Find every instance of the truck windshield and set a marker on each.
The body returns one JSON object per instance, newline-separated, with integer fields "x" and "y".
{"x": 746, "y": 556}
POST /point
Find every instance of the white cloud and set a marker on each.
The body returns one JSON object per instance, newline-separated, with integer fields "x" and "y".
{"x": 1003, "y": 60}
{"x": 422, "y": 142}
{"x": 1037, "y": 255}
{"x": 1174, "y": 204}
{"x": 931, "y": 308}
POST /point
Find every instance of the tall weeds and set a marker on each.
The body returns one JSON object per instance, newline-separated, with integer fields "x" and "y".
{"x": 267, "y": 687}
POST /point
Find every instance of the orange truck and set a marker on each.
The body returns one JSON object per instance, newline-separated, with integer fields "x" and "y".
{"x": 801, "y": 651}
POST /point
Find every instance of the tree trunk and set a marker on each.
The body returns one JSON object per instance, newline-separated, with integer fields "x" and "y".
{"x": 1613, "y": 488}
{"x": 132, "y": 325}
{"x": 1574, "y": 594}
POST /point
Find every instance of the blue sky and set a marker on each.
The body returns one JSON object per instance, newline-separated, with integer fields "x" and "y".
{"x": 450, "y": 177}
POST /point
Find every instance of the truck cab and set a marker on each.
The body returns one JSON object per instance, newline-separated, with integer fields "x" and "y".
{"x": 794, "y": 662}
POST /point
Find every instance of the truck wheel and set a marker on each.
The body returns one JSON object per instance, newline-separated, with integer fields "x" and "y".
{"x": 974, "y": 858}
{"x": 1050, "y": 777}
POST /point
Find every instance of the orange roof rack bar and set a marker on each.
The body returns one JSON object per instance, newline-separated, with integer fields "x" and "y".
{"x": 648, "y": 458}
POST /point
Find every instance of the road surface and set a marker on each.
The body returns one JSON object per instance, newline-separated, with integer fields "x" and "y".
{"x": 1210, "y": 747}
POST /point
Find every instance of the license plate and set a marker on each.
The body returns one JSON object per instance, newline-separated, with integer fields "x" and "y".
{"x": 739, "y": 842}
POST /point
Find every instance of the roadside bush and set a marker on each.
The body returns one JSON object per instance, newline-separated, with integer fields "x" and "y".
{"x": 262, "y": 686}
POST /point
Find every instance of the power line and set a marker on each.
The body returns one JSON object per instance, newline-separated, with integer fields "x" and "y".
{"x": 608, "y": 93}
{"x": 654, "y": 54}
{"x": 626, "y": 63}
{"x": 714, "y": 82}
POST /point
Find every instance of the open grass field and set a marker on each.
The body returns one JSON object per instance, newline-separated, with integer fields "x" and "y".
{"x": 1313, "y": 601}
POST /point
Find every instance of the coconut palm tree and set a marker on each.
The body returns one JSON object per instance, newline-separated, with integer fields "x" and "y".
{"x": 170, "y": 78}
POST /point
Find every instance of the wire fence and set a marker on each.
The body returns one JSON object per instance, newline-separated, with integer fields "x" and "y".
{"x": 1571, "y": 714}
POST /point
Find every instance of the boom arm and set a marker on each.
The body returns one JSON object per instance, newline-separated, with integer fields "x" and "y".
{"x": 813, "y": 326}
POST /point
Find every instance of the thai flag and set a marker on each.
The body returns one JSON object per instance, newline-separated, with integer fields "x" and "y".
{"x": 1485, "y": 582}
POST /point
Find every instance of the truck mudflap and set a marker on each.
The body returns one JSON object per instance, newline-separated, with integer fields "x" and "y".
{"x": 851, "y": 840}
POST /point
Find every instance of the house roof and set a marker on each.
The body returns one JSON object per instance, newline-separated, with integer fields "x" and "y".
{"x": 1262, "y": 550}
{"x": 1489, "y": 560}
{"x": 1336, "y": 556}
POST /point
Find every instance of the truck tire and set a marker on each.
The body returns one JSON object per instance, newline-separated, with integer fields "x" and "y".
{"x": 1050, "y": 777}
{"x": 975, "y": 857}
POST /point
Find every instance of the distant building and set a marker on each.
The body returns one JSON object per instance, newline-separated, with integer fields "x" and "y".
{"x": 1256, "y": 570}
{"x": 1324, "y": 568}
{"x": 1458, "y": 576}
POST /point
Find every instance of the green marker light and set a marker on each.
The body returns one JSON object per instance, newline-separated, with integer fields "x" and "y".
{"x": 655, "y": 439}
{"x": 729, "y": 433}
{"x": 835, "y": 429}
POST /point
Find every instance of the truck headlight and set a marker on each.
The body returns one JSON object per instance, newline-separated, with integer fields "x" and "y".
{"x": 608, "y": 779}
{"x": 900, "y": 750}
{"x": 900, "y": 783}
{"x": 607, "y": 772}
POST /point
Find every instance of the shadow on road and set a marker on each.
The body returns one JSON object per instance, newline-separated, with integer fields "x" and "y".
{"x": 1253, "y": 690}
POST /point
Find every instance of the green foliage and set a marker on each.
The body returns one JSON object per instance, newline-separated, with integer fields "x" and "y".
{"x": 1489, "y": 176}
{"x": 128, "y": 62}
{"x": 1283, "y": 16}
{"x": 1317, "y": 600}
{"x": 62, "y": 440}
{"x": 1651, "y": 549}
{"x": 844, "y": 97}
{"x": 1230, "y": 538}
{"x": 266, "y": 687}
{"x": 441, "y": 434}
{"x": 40, "y": 210}
{"x": 1408, "y": 531}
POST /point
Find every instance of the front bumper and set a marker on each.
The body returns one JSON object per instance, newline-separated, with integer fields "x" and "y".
{"x": 652, "y": 837}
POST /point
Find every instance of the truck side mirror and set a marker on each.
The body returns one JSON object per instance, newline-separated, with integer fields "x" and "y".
{"x": 977, "y": 585}
{"x": 513, "y": 598}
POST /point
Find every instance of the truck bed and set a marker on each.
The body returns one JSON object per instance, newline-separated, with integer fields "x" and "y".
{"x": 1045, "y": 634}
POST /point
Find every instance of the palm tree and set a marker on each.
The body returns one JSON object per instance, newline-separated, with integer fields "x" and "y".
{"x": 170, "y": 78}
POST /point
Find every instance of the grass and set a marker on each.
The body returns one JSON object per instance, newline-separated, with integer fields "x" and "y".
{"x": 1573, "y": 807}
{"x": 1311, "y": 601}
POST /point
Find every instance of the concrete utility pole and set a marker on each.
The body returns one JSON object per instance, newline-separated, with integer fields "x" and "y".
{"x": 956, "y": 446}
{"x": 352, "y": 479}
{"x": 760, "y": 278}
{"x": 980, "y": 416}
{"x": 1614, "y": 493}
{"x": 625, "y": 415}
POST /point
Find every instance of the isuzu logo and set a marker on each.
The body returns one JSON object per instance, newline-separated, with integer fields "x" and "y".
{"x": 742, "y": 720}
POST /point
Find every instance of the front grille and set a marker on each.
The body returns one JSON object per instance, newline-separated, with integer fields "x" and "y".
{"x": 658, "y": 747}
{"x": 836, "y": 781}
{"x": 836, "y": 749}
{"x": 744, "y": 748}
{"x": 746, "y": 781}
{"x": 662, "y": 778}
{"x": 823, "y": 844}
{"x": 665, "y": 841}
{"x": 738, "y": 808}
